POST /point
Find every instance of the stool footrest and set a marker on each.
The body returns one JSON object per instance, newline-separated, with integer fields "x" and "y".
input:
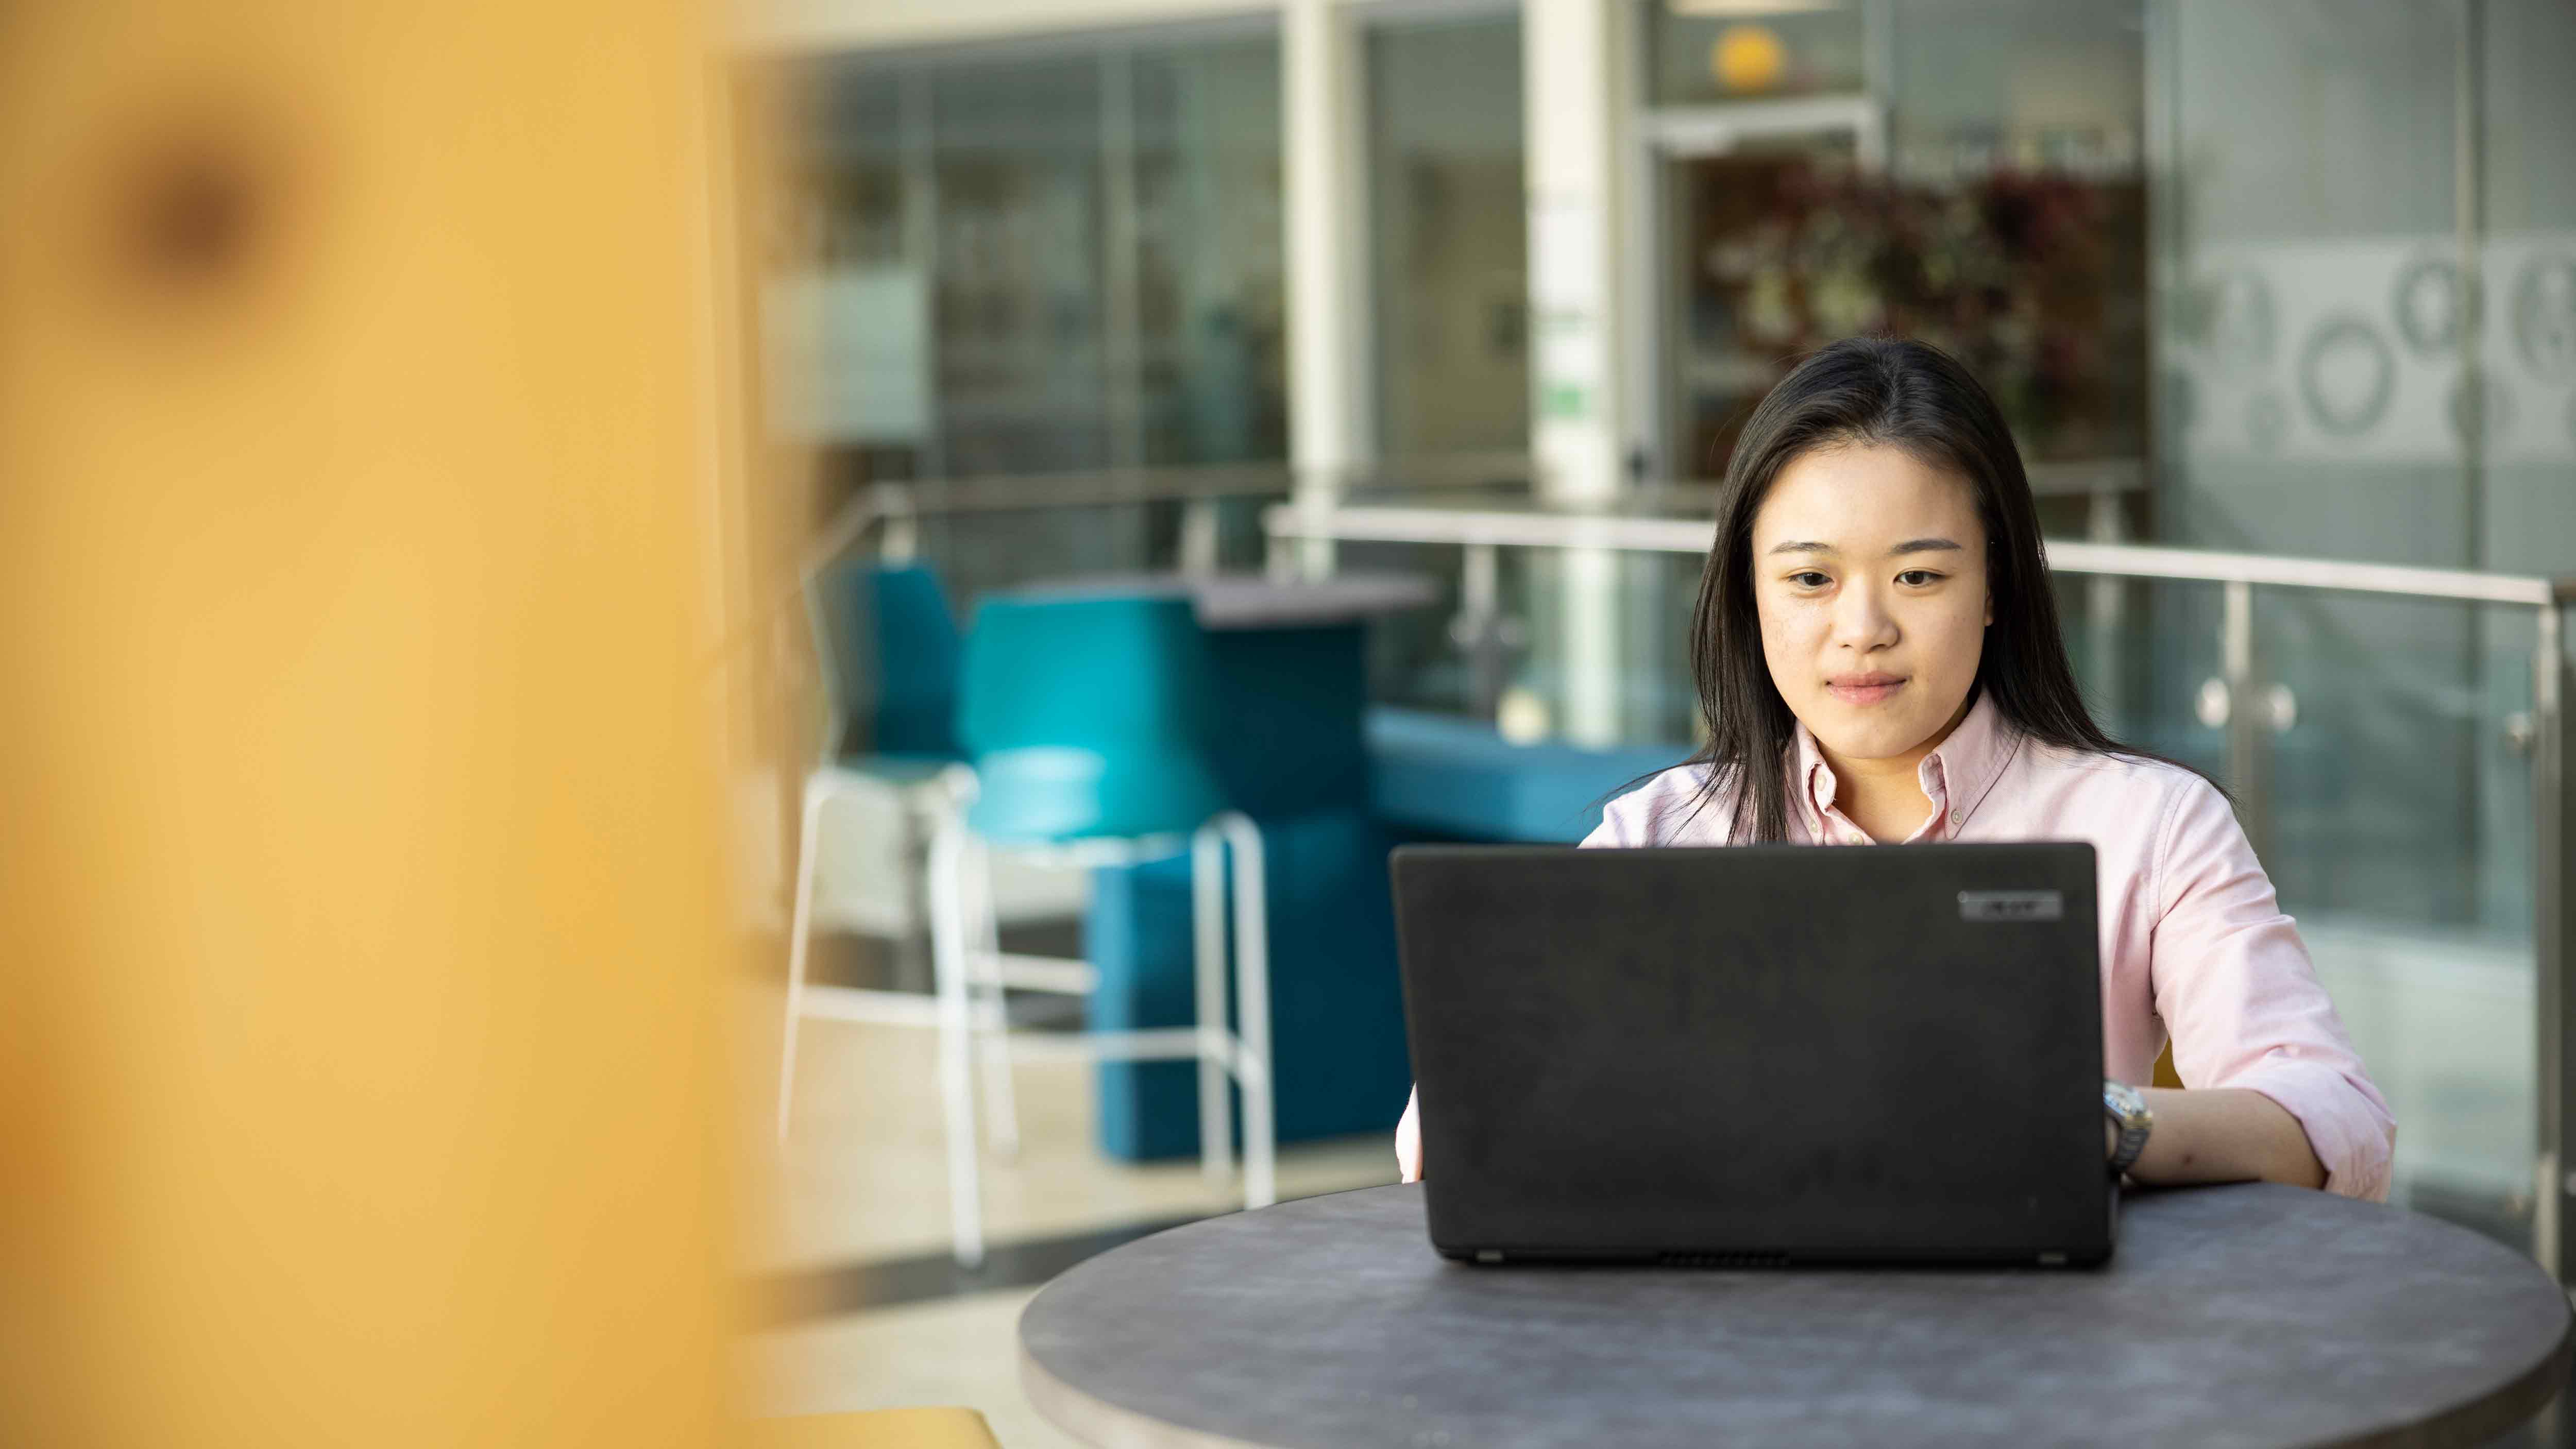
{"x": 1062, "y": 975}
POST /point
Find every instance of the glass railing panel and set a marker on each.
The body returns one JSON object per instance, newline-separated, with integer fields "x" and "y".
{"x": 1589, "y": 646}
{"x": 2142, "y": 650}
{"x": 1416, "y": 658}
{"x": 2396, "y": 820}
{"x": 1608, "y": 658}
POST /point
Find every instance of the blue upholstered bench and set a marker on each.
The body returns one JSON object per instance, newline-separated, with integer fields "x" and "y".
{"x": 1455, "y": 778}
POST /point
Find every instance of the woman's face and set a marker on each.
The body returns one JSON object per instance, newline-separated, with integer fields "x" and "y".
{"x": 1869, "y": 573}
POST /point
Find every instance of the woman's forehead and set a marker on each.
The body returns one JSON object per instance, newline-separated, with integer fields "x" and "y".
{"x": 1857, "y": 497}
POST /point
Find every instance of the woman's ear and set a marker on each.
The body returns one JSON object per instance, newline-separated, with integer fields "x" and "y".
{"x": 1990, "y": 608}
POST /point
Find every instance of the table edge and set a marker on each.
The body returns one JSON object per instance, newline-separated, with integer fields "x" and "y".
{"x": 2476, "y": 1421}
{"x": 2482, "y": 1420}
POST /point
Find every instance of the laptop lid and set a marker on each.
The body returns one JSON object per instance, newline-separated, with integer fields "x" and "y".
{"x": 1758, "y": 1053}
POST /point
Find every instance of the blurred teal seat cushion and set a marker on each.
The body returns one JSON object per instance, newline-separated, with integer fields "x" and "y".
{"x": 1063, "y": 792}
{"x": 1456, "y": 778}
{"x": 1088, "y": 717}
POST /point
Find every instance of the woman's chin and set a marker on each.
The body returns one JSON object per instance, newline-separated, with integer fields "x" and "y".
{"x": 1867, "y": 734}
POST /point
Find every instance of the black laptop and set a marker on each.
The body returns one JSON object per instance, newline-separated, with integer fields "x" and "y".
{"x": 1758, "y": 1055}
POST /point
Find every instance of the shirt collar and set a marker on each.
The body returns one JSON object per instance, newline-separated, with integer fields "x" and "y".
{"x": 1955, "y": 776}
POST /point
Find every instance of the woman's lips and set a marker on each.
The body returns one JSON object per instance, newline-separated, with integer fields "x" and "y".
{"x": 1864, "y": 688}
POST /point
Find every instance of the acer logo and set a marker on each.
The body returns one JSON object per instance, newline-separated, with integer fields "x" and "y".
{"x": 2011, "y": 906}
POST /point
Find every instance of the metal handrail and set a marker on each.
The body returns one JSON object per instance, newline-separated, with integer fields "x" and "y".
{"x": 897, "y": 508}
{"x": 1368, "y": 523}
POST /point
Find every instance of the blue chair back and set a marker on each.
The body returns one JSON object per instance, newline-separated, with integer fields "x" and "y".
{"x": 1089, "y": 717}
{"x": 918, "y": 656}
{"x": 890, "y": 652}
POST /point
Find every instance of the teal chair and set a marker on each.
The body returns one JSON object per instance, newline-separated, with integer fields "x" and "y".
{"x": 888, "y": 653}
{"x": 1090, "y": 723}
{"x": 917, "y": 651}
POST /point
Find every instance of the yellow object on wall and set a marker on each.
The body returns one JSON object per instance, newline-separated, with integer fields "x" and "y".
{"x": 1748, "y": 58}
{"x": 358, "y": 1078}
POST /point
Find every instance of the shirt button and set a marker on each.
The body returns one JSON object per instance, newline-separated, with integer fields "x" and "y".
{"x": 1958, "y": 817}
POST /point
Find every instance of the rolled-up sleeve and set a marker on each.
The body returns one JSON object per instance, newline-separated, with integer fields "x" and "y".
{"x": 2237, "y": 991}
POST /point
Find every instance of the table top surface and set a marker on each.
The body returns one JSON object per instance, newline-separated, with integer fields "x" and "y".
{"x": 2253, "y": 1314}
{"x": 1257, "y": 601}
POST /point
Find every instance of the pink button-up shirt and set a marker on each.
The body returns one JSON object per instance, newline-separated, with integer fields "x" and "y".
{"x": 2193, "y": 941}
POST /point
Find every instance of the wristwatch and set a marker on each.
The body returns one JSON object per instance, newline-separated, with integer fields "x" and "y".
{"x": 2126, "y": 1106}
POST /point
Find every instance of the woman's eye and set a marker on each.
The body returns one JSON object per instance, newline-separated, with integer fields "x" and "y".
{"x": 1917, "y": 578}
{"x": 1809, "y": 579}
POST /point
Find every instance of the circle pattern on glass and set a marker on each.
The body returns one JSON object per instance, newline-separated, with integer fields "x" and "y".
{"x": 2544, "y": 316}
{"x": 2347, "y": 373}
{"x": 2430, "y": 301}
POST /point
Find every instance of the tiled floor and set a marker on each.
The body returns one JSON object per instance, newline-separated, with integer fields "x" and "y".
{"x": 862, "y": 1181}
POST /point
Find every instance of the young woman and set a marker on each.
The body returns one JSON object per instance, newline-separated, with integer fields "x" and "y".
{"x": 1878, "y": 659}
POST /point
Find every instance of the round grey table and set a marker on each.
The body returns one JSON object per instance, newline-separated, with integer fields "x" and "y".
{"x": 2243, "y": 1315}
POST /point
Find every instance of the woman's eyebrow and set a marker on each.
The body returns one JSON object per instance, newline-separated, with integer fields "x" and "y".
{"x": 1911, "y": 545}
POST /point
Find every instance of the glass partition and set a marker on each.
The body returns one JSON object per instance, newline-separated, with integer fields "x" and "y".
{"x": 2361, "y": 353}
{"x": 1035, "y": 258}
{"x": 2399, "y": 819}
{"x": 1449, "y": 233}
{"x": 1210, "y": 273}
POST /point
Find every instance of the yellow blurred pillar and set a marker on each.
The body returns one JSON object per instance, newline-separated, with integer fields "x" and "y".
{"x": 358, "y": 1077}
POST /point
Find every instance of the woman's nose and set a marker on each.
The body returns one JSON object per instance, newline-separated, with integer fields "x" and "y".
{"x": 1862, "y": 620}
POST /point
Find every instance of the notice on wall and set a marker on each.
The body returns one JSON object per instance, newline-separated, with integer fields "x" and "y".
{"x": 848, "y": 352}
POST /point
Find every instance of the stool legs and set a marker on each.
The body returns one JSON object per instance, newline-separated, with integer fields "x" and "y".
{"x": 1207, "y": 962}
{"x": 956, "y": 1031}
{"x": 798, "y": 927}
{"x": 991, "y": 1006}
{"x": 1252, "y": 1010}
{"x": 966, "y": 961}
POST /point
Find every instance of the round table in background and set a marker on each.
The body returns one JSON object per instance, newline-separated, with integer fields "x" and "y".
{"x": 2244, "y": 1315}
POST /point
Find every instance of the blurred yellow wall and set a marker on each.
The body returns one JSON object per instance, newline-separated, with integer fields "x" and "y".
{"x": 358, "y": 1077}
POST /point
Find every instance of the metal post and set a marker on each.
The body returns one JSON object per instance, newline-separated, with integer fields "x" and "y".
{"x": 1207, "y": 975}
{"x": 2245, "y": 719}
{"x": 1200, "y": 537}
{"x": 2104, "y": 597}
{"x": 1479, "y": 627}
{"x": 2554, "y": 876}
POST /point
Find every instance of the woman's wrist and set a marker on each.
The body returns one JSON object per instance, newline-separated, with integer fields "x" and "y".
{"x": 2225, "y": 1134}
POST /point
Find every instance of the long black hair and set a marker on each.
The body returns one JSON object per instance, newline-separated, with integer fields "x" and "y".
{"x": 1892, "y": 393}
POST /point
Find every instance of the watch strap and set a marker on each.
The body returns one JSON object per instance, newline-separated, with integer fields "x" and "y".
{"x": 2127, "y": 1109}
